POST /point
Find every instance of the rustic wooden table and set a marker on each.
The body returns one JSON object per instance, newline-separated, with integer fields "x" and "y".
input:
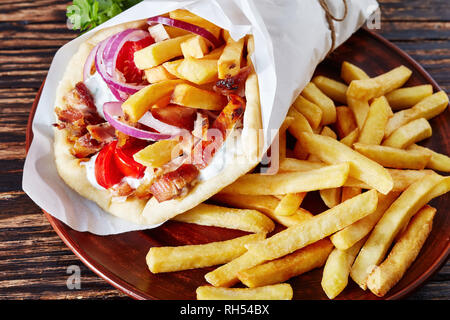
{"x": 34, "y": 262}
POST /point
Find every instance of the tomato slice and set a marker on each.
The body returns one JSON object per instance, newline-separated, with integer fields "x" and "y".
{"x": 125, "y": 162}
{"x": 106, "y": 171}
{"x": 125, "y": 59}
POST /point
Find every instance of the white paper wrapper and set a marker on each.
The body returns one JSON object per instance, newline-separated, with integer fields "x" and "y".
{"x": 291, "y": 38}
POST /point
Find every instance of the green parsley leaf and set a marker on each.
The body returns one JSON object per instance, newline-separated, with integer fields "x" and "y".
{"x": 84, "y": 15}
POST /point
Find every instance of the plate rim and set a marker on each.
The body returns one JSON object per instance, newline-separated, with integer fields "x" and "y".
{"x": 135, "y": 293}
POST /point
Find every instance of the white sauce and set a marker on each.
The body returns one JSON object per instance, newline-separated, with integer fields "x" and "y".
{"x": 226, "y": 155}
{"x": 136, "y": 182}
{"x": 90, "y": 172}
{"x": 100, "y": 91}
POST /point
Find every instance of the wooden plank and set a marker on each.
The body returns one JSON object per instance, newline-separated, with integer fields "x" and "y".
{"x": 415, "y": 10}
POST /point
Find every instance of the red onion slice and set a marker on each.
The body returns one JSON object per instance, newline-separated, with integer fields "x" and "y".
{"x": 89, "y": 63}
{"x": 113, "y": 110}
{"x": 186, "y": 26}
{"x": 150, "y": 121}
{"x": 106, "y": 58}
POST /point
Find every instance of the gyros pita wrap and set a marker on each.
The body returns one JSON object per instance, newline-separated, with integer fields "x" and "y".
{"x": 143, "y": 211}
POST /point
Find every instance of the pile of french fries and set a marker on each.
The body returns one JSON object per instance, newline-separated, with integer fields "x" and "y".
{"x": 355, "y": 145}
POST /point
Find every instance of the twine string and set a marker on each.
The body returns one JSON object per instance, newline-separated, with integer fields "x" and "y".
{"x": 330, "y": 18}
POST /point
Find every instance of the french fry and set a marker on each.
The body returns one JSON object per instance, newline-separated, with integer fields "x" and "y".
{"x": 172, "y": 68}
{"x": 427, "y": 108}
{"x": 162, "y": 102}
{"x": 231, "y": 218}
{"x": 189, "y": 17}
{"x": 169, "y": 259}
{"x": 264, "y": 204}
{"x": 345, "y": 121}
{"x": 361, "y": 168}
{"x": 157, "y": 154}
{"x": 337, "y": 268}
{"x": 140, "y": 102}
{"x": 403, "y": 178}
{"x": 299, "y": 152}
{"x": 299, "y": 124}
{"x": 347, "y": 237}
{"x": 360, "y": 109}
{"x": 375, "y": 124}
{"x": 296, "y": 237}
{"x": 226, "y": 275}
{"x": 390, "y": 224}
{"x": 198, "y": 71}
{"x": 350, "y": 72}
{"x": 290, "y": 182}
{"x": 214, "y": 54}
{"x": 326, "y": 131}
{"x": 335, "y": 90}
{"x": 331, "y": 197}
{"x": 289, "y": 204}
{"x": 318, "y": 130}
{"x": 174, "y": 32}
{"x": 407, "y": 97}
{"x": 316, "y": 228}
{"x": 282, "y": 269}
{"x": 313, "y": 94}
{"x": 292, "y": 164}
{"x": 439, "y": 162}
{"x": 394, "y": 157}
{"x": 403, "y": 254}
{"x": 310, "y": 110}
{"x": 229, "y": 62}
{"x": 351, "y": 138}
{"x": 189, "y": 96}
{"x": 195, "y": 47}
{"x": 157, "y": 74}
{"x": 409, "y": 133}
{"x": 159, "y": 52}
{"x": 282, "y": 136}
{"x": 282, "y": 291}
{"x": 440, "y": 189}
{"x": 349, "y": 192}
{"x": 366, "y": 89}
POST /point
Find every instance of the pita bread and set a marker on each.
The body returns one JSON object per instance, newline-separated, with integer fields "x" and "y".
{"x": 152, "y": 212}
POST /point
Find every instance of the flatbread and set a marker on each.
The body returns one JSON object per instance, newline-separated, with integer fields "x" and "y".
{"x": 152, "y": 212}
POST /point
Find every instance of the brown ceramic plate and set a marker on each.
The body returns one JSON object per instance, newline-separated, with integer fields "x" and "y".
{"x": 120, "y": 259}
